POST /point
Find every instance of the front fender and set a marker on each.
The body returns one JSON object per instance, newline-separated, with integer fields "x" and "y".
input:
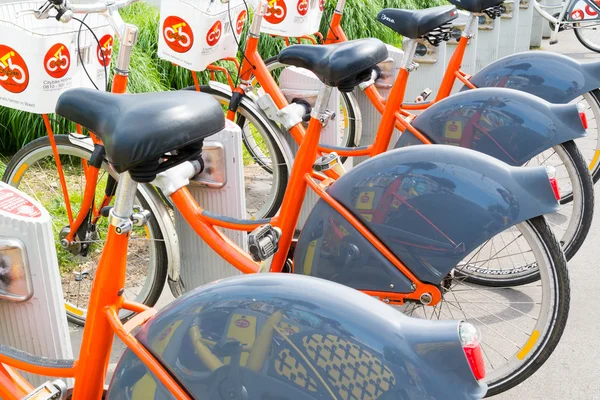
{"x": 553, "y": 77}
{"x": 509, "y": 125}
{"x": 430, "y": 205}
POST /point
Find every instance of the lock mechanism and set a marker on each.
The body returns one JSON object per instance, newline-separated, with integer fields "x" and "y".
{"x": 48, "y": 391}
{"x": 263, "y": 242}
{"x": 329, "y": 161}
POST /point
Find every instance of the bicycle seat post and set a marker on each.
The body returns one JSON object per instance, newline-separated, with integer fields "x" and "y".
{"x": 469, "y": 30}
{"x": 261, "y": 10}
{"x": 339, "y": 8}
{"x": 127, "y": 35}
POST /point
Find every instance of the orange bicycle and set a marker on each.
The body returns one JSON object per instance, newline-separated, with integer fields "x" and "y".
{"x": 407, "y": 227}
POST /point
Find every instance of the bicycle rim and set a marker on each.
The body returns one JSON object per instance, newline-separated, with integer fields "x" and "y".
{"x": 35, "y": 173}
{"x": 519, "y": 326}
{"x": 588, "y": 33}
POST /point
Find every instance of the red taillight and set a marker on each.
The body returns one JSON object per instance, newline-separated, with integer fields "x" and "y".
{"x": 553, "y": 182}
{"x": 582, "y": 116}
{"x": 469, "y": 337}
{"x": 475, "y": 359}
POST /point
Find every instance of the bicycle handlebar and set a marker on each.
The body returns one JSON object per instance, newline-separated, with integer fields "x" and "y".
{"x": 66, "y": 9}
{"x": 98, "y": 7}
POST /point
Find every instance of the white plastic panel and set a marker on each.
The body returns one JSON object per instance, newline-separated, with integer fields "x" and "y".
{"x": 430, "y": 72}
{"x": 38, "y": 325}
{"x": 487, "y": 41}
{"x": 199, "y": 263}
{"x": 525, "y": 25}
{"x": 510, "y": 24}
{"x": 537, "y": 26}
{"x": 469, "y": 62}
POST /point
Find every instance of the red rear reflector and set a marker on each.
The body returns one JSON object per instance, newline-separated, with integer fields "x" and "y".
{"x": 583, "y": 120}
{"x": 475, "y": 359}
{"x": 555, "y": 188}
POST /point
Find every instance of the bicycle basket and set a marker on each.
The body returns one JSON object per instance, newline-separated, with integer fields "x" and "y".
{"x": 39, "y": 58}
{"x": 195, "y": 34}
{"x": 292, "y": 18}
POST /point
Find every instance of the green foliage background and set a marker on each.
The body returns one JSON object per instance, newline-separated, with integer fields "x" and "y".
{"x": 150, "y": 74}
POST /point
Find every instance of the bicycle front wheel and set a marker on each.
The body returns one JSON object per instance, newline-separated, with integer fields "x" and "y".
{"x": 520, "y": 326}
{"x": 588, "y": 34}
{"x": 33, "y": 170}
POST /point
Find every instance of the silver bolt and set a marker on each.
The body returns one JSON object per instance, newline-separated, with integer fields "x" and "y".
{"x": 426, "y": 298}
{"x": 386, "y": 301}
{"x": 391, "y": 285}
{"x": 64, "y": 243}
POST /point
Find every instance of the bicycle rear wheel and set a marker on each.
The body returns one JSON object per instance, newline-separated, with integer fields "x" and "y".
{"x": 520, "y": 326}
{"x": 33, "y": 170}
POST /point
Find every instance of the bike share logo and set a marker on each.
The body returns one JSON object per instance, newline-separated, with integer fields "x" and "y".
{"x": 177, "y": 34}
{"x": 276, "y": 12}
{"x": 240, "y": 22}
{"x": 302, "y": 7}
{"x": 105, "y": 48}
{"x": 14, "y": 75}
{"x": 214, "y": 34}
{"x": 57, "y": 61}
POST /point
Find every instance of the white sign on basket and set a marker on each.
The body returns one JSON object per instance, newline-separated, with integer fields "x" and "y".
{"x": 293, "y": 18}
{"x": 39, "y": 59}
{"x": 195, "y": 34}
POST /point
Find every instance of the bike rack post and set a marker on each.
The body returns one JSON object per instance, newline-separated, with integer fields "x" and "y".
{"x": 223, "y": 193}
{"x": 524, "y": 26}
{"x": 34, "y": 321}
{"x": 487, "y": 42}
{"x": 430, "y": 72}
{"x": 510, "y": 24}
{"x": 369, "y": 114}
{"x": 537, "y": 26}
{"x": 301, "y": 84}
{"x": 469, "y": 63}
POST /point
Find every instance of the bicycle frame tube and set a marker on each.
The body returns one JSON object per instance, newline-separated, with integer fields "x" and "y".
{"x": 544, "y": 13}
{"x": 453, "y": 67}
{"x": 128, "y": 37}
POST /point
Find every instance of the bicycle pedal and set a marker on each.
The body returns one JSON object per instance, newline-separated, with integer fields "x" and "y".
{"x": 55, "y": 390}
{"x": 263, "y": 242}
